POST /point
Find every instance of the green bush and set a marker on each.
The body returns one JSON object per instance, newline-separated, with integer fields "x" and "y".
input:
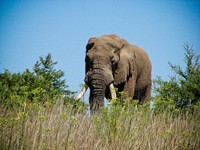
{"x": 182, "y": 92}
{"x": 43, "y": 85}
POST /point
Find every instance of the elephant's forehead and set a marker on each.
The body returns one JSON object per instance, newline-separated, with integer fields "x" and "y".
{"x": 104, "y": 40}
{"x": 101, "y": 53}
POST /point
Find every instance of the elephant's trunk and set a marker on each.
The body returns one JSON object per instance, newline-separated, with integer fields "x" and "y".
{"x": 96, "y": 99}
{"x": 98, "y": 79}
{"x": 97, "y": 84}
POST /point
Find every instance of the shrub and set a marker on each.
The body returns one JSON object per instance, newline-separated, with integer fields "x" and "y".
{"x": 182, "y": 91}
{"x": 44, "y": 85}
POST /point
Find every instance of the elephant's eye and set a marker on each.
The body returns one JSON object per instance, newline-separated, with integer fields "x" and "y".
{"x": 113, "y": 60}
{"x": 89, "y": 46}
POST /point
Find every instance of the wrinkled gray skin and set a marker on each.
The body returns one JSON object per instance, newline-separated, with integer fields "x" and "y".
{"x": 111, "y": 59}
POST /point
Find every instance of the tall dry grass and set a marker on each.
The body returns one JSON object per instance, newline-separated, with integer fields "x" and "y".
{"x": 117, "y": 128}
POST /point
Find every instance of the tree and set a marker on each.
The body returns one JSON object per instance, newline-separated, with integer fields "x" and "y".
{"x": 44, "y": 84}
{"x": 50, "y": 79}
{"x": 182, "y": 91}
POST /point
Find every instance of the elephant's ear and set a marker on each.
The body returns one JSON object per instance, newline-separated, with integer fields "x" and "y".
{"x": 125, "y": 65}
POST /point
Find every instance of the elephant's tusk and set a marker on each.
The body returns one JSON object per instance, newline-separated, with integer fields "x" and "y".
{"x": 112, "y": 91}
{"x": 81, "y": 93}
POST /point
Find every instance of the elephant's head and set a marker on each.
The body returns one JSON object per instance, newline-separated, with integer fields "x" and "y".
{"x": 103, "y": 69}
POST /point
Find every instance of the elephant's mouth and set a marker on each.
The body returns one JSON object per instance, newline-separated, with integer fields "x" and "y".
{"x": 110, "y": 92}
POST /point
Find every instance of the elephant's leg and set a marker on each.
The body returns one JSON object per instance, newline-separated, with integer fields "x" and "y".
{"x": 129, "y": 87}
{"x": 145, "y": 94}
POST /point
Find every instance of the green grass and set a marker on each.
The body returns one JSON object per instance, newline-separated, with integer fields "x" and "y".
{"x": 129, "y": 127}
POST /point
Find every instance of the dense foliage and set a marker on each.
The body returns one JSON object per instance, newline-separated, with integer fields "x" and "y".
{"x": 182, "y": 91}
{"x": 42, "y": 85}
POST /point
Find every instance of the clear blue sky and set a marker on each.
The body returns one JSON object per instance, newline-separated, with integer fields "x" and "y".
{"x": 33, "y": 28}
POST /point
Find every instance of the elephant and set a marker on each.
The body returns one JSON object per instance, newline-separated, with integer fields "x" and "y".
{"x": 111, "y": 62}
